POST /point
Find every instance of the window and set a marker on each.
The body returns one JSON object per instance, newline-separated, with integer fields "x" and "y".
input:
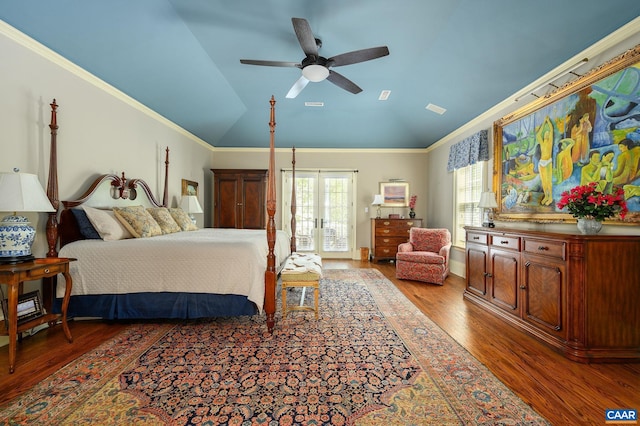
{"x": 468, "y": 187}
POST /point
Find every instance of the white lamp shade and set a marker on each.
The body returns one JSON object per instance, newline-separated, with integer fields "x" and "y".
{"x": 22, "y": 192}
{"x": 190, "y": 204}
{"x": 488, "y": 201}
{"x": 378, "y": 199}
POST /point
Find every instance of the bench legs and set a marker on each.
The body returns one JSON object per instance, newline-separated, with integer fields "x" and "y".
{"x": 316, "y": 295}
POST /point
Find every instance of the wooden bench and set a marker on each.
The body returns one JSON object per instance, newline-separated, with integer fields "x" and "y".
{"x": 301, "y": 270}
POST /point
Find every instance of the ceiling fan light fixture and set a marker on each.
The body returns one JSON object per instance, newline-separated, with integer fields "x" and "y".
{"x": 315, "y": 73}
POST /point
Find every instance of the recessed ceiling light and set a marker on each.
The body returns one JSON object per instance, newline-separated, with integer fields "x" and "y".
{"x": 435, "y": 108}
{"x": 314, "y": 104}
{"x": 384, "y": 95}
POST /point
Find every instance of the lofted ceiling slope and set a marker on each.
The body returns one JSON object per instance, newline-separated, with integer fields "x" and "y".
{"x": 181, "y": 58}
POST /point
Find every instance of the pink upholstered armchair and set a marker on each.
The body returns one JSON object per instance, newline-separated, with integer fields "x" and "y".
{"x": 425, "y": 257}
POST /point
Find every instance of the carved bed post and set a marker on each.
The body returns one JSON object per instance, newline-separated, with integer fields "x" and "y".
{"x": 52, "y": 186}
{"x": 165, "y": 194}
{"x": 48, "y": 289}
{"x": 293, "y": 200}
{"x": 270, "y": 273}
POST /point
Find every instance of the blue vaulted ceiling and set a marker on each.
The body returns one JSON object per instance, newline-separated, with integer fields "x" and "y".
{"x": 181, "y": 58}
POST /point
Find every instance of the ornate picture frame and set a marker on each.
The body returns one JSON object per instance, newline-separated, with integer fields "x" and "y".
{"x": 189, "y": 187}
{"x": 550, "y": 145}
{"x": 395, "y": 194}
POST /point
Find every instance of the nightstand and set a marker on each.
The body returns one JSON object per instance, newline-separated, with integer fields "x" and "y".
{"x": 13, "y": 276}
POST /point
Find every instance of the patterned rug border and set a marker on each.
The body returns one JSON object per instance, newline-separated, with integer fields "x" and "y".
{"x": 472, "y": 392}
{"x": 435, "y": 355}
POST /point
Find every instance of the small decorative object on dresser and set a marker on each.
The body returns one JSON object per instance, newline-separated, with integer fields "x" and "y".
{"x": 591, "y": 206}
{"x": 387, "y": 234}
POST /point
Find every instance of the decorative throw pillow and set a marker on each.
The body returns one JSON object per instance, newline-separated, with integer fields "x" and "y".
{"x": 138, "y": 221}
{"x": 84, "y": 225}
{"x": 162, "y": 216}
{"x": 105, "y": 222}
{"x": 182, "y": 219}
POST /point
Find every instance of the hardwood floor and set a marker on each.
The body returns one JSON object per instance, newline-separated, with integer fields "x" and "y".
{"x": 564, "y": 392}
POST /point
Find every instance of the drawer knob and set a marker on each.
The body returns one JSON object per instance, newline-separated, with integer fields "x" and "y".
{"x": 543, "y": 248}
{"x": 410, "y": 223}
{"x": 46, "y": 271}
{"x": 476, "y": 238}
{"x": 386, "y": 231}
{"x": 504, "y": 242}
{"x": 387, "y": 223}
{"x": 386, "y": 240}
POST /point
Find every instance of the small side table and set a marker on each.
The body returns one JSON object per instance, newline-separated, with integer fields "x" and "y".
{"x": 14, "y": 276}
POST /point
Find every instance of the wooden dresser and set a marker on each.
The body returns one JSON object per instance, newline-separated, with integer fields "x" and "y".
{"x": 577, "y": 293}
{"x": 386, "y": 234}
{"x": 239, "y": 198}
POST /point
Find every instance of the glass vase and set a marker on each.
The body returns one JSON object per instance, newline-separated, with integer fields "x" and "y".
{"x": 589, "y": 226}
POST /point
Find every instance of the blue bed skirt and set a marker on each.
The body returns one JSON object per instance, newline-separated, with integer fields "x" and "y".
{"x": 164, "y": 305}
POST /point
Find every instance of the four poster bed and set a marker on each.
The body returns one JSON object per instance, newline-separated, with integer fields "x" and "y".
{"x": 185, "y": 273}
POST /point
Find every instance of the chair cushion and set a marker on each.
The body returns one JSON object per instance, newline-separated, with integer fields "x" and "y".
{"x": 421, "y": 257}
{"x": 429, "y": 239}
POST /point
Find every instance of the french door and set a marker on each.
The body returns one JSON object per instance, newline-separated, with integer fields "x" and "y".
{"x": 325, "y": 214}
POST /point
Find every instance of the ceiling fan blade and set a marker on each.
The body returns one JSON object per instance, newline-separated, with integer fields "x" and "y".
{"x": 343, "y": 82}
{"x": 358, "y": 56}
{"x": 305, "y": 36}
{"x": 297, "y": 87}
{"x": 270, "y": 63}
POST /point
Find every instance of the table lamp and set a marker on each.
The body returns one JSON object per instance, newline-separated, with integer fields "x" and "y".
{"x": 19, "y": 192}
{"x": 378, "y": 200}
{"x": 488, "y": 203}
{"x": 190, "y": 204}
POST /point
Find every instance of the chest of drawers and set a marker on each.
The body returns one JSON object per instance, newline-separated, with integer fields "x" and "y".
{"x": 386, "y": 234}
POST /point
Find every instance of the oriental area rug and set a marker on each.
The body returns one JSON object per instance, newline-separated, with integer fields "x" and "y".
{"x": 371, "y": 359}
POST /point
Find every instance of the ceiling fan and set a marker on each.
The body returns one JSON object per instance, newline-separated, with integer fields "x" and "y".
{"x": 317, "y": 68}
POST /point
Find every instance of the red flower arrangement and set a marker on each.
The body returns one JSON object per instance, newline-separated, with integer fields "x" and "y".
{"x": 412, "y": 202}
{"x": 586, "y": 202}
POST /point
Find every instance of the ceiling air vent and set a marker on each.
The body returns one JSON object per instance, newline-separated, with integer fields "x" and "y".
{"x": 314, "y": 104}
{"x": 384, "y": 95}
{"x": 435, "y": 108}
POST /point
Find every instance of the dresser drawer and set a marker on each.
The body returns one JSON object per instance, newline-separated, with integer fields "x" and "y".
{"x": 476, "y": 237}
{"x": 390, "y": 241}
{"x": 506, "y": 242}
{"x": 555, "y": 249}
{"x": 385, "y": 252}
{"x": 393, "y": 232}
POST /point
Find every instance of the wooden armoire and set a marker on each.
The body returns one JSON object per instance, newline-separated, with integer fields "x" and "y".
{"x": 239, "y": 198}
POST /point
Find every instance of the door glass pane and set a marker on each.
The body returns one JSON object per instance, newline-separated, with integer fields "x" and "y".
{"x": 305, "y": 212}
{"x": 337, "y": 202}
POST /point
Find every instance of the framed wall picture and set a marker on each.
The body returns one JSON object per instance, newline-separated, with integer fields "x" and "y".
{"x": 395, "y": 194}
{"x": 585, "y": 131}
{"x": 189, "y": 187}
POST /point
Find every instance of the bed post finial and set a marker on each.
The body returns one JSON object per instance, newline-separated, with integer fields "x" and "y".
{"x": 270, "y": 273}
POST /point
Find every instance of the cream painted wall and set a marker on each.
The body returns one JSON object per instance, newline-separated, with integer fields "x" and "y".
{"x": 373, "y": 166}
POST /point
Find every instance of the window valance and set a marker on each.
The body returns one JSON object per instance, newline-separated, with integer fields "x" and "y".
{"x": 469, "y": 151}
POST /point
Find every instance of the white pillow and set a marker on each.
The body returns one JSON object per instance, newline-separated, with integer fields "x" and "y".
{"x": 107, "y": 225}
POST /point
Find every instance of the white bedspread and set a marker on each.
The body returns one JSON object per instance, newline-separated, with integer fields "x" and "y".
{"x": 210, "y": 260}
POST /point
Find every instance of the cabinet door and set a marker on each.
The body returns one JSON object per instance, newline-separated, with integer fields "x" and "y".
{"x": 504, "y": 279}
{"x": 477, "y": 269}
{"x": 226, "y": 202}
{"x": 543, "y": 292}
{"x": 252, "y": 206}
